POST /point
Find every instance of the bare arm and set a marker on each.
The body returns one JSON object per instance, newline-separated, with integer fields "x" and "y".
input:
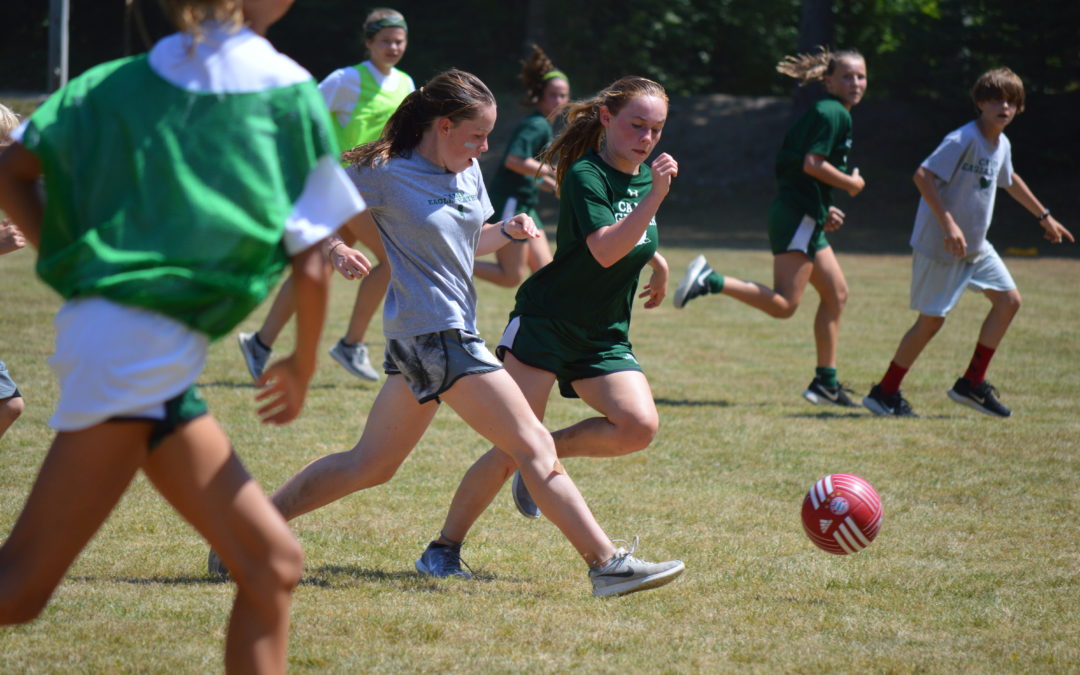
{"x": 349, "y": 262}
{"x": 1054, "y": 231}
{"x": 656, "y": 289}
{"x": 529, "y": 167}
{"x": 818, "y": 168}
{"x": 19, "y": 195}
{"x": 496, "y": 235}
{"x": 955, "y": 244}
{"x": 611, "y": 243}
{"x": 287, "y": 380}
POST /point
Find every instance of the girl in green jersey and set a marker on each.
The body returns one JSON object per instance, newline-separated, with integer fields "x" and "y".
{"x": 812, "y": 160}
{"x": 360, "y": 98}
{"x": 571, "y": 320}
{"x": 145, "y": 293}
{"x": 521, "y": 176}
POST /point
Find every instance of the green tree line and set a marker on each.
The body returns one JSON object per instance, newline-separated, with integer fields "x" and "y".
{"x": 915, "y": 49}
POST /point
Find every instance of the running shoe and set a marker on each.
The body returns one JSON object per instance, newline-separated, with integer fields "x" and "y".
{"x": 981, "y": 397}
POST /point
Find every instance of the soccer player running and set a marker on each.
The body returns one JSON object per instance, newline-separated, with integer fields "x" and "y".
{"x": 812, "y": 160}
{"x": 571, "y": 320}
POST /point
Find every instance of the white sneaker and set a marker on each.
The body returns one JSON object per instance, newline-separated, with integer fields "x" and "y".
{"x": 626, "y": 574}
{"x": 693, "y": 283}
{"x": 354, "y": 358}
{"x": 256, "y": 356}
{"x": 522, "y": 499}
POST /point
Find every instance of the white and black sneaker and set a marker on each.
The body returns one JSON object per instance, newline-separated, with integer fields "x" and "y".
{"x": 694, "y": 282}
{"x": 354, "y": 358}
{"x": 522, "y": 499}
{"x": 625, "y": 574}
{"x": 820, "y": 394}
{"x": 893, "y": 404}
{"x": 981, "y": 397}
{"x": 255, "y": 353}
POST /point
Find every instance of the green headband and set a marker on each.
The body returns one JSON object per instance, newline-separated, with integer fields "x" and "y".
{"x": 374, "y": 27}
{"x": 552, "y": 74}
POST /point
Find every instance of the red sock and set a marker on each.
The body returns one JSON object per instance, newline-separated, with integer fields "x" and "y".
{"x": 980, "y": 360}
{"x": 890, "y": 384}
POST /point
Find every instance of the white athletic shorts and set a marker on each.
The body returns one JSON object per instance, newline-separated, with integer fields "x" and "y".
{"x": 936, "y": 286}
{"x": 118, "y": 361}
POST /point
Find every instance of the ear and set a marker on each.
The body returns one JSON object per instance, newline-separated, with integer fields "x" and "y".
{"x": 605, "y": 116}
{"x": 444, "y": 125}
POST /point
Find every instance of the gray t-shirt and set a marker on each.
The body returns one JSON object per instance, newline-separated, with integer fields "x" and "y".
{"x": 429, "y": 220}
{"x": 969, "y": 170}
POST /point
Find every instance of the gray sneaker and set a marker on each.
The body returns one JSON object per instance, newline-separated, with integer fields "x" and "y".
{"x": 354, "y": 358}
{"x": 214, "y": 566}
{"x": 693, "y": 283}
{"x": 522, "y": 499}
{"x": 626, "y": 574}
{"x": 442, "y": 561}
{"x": 255, "y": 355}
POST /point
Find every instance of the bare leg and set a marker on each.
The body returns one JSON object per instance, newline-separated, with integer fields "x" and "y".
{"x": 1004, "y": 306}
{"x": 916, "y": 339}
{"x": 514, "y": 262}
{"x": 197, "y": 472}
{"x": 791, "y": 272}
{"x": 82, "y": 478}
{"x": 372, "y": 287}
{"x": 828, "y": 279}
{"x": 395, "y": 425}
{"x": 10, "y": 410}
{"x": 494, "y": 406}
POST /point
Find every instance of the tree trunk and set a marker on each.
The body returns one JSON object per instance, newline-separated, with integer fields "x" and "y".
{"x": 815, "y": 30}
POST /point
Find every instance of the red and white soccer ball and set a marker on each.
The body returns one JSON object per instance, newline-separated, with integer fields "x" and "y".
{"x": 842, "y": 513}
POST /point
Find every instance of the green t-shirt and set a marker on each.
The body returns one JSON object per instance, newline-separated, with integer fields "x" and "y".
{"x": 825, "y": 130}
{"x": 530, "y": 137}
{"x": 172, "y": 200}
{"x": 574, "y": 286}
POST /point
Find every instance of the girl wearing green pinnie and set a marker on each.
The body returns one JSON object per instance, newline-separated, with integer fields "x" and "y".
{"x": 166, "y": 251}
{"x": 519, "y": 179}
{"x": 361, "y": 99}
{"x": 812, "y": 160}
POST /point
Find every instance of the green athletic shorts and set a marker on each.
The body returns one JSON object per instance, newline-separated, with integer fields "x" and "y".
{"x": 179, "y": 411}
{"x": 792, "y": 230}
{"x": 565, "y": 349}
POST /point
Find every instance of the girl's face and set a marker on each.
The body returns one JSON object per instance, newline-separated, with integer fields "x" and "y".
{"x": 556, "y": 94}
{"x": 633, "y": 133}
{"x": 848, "y": 81}
{"x": 387, "y": 47}
{"x": 458, "y": 144}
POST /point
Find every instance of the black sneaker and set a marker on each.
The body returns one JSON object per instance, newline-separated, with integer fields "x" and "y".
{"x": 981, "y": 397}
{"x": 894, "y": 404}
{"x": 693, "y": 283}
{"x": 441, "y": 561}
{"x": 818, "y": 394}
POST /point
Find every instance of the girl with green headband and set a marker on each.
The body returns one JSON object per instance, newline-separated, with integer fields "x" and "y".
{"x": 520, "y": 177}
{"x": 361, "y": 99}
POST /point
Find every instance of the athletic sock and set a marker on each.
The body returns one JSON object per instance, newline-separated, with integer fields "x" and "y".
{"x": 715, "y": 282}
{"x": 890, "y": 384}
{"x": 980, "y": 361}
{"x": 827, "y": 376}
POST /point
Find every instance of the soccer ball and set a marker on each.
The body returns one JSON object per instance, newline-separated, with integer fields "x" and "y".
{"x": 842, "y": 513}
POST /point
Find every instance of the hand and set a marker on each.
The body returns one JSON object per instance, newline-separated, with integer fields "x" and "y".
{"x": 11, "y": 238}
{"x": 664, "y": 170}
{"x": 521, "y": 227}
{"x": 349, "y": 262}
{"x": 1054, "y": 232}
{"x": 284, "y": 388}
{"x": 955, "y": 244}
{"x": 656, "y": 289}
{"x": 857, "y": 183}
{"x": 835, "y": 220}
{"x": 548, "y": 184}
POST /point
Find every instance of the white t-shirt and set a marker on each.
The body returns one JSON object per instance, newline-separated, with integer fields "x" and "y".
{"x": 968, "y": 169}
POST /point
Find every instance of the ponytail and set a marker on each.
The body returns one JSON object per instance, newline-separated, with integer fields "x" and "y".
{"x": 807, "y": 68}
{"x": 536, "y": 71}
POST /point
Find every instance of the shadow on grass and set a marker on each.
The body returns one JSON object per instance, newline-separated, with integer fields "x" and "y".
{"x": 685, "y": 402}
{"x": 342, "y": 576}
{"x": 222, "y": 384}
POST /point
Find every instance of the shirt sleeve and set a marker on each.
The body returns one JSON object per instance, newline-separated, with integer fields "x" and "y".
{"x": 590, "y": 201}
{"x": 329, "y": 199}
{"x": 823, "y": 135}
{"x": 481, "y": 190}
{"x": 341, "y": 91}
{"x": 529, "y": 139}
{"x": 945, "y": 160}
{"x": 1005, "y": 175}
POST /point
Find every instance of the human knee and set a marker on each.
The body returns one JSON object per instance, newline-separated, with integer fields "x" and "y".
{"x": 11, "y": 408}
{"x": 1010, "y": 301}
{"x": 278, "y": 571}
{"x": 785, "y": 310}
{"x": 636, "y": 432}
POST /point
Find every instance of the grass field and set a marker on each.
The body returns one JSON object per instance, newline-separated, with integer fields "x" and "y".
{"x": 976, "y": 567}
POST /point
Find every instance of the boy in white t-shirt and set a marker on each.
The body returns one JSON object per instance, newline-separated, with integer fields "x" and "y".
{"x": 958, "y": 184}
